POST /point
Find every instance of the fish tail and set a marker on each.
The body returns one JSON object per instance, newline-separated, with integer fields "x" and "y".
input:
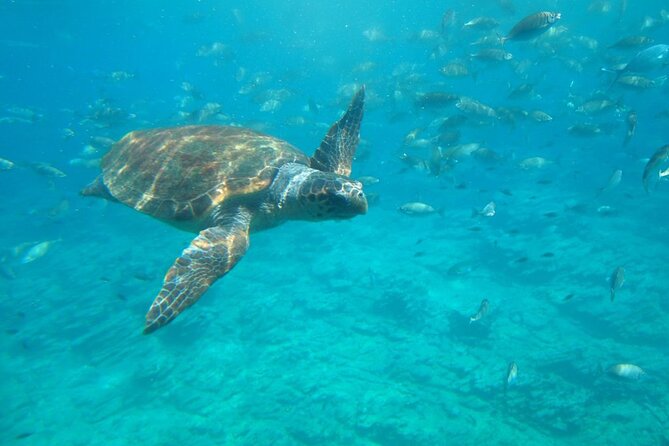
{"x": 502, "y": 39}
{"x": 613, "y": 294}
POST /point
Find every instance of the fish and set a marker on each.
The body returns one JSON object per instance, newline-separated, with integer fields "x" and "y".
{"x": 417, "y": 208}
{"x": 47, "y": 170}
{"x": 511, "y": 374}
{"x": 474, "y": 107}
{"x": 6, "y": 164}
{"x": 640, "y": 82}
{"x": 67, "y": 133}
{"x": 595, "y": 106}
{"x": 118, "y": 76}
{"x": 482, "y": 311}
{"x": 368, "y": 180}
{"x": 434, "y": 163}
{"x": 454, "y": 69}
{"x": 415, "y": 162}
{"x": 534, "y": 162}
{"x": 481, "y": 23}
{"x": 451, "y": 122}
{"x": 447, "y": 20}
{"x": 631, "y": 121}
{"x": 532, "y": 26}
{"x": 488, "y": 210}
{"x": 616, "y": 281}
{"x": 102, "y": 141}
{"x": 626, "y": 371}
{"x": 540, "y": 116}
{"x": 37, "y": 251}
{"x": 585, "y": 130}
{"x": 522, "y": 91}
{"x": 660, "y": 156}
{"x": 375, "y": 35}
{"x": 631, "y": 42}
{"x": 656, "y": 56}
{"x": 436, "y": 99}
{"x": 492, "y": 55}
{"x": 614, "y": 181}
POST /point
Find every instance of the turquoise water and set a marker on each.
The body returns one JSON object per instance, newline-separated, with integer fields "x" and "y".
{"x": 349, "y": 332}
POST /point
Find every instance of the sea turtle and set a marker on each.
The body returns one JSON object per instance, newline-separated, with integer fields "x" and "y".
{"x": 225, "y": 182}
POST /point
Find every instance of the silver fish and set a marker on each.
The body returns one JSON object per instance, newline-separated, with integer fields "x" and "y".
{"x": 626, "y": 371}
{"x": 417, "y": 208}
{"x": 474, "y": 107}
{"x": 6, "y": 164}
{"x": 631, "y": 126}
{"x": 480, "y": 314}
{"x": 492, "y": 55}
{"x": 540, "y": 116}
{"x": 616, "y": 281}
{"x": 614, "y": 181}
{"x": 47, "y": 170}
{"x": 489, "y": 210}
{"x": 653, "y": 57}
{"x": 532, "y": 26}
{"x": 632, "y": 42}
{"x": 511, "y": 374}
{"x": 37, "y": 251}
{"x": 482, "y": 23}
{"x": 637, "y": 82}
{"x": 660, "y": 156}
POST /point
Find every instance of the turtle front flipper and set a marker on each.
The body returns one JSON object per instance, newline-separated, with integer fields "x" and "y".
{"x": 213, "y": 253}
{"x": 337, "y": 150}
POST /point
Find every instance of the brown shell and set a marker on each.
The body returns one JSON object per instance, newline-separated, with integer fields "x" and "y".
{"x": 181, "y": 173}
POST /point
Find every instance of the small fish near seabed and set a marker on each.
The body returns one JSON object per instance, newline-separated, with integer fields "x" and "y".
{"x": 6, "y": 164}
{"x": 532, "y": 26}
{"x": 511, "y": 374}
{"x": 614, "y": 181}
{"x": 417, "y": 208}
{"x": 631, "y": 121}
{"x": 654, "y": 165}
{"x": 482, "y": 311}
{"x": 626, "y": 371}
{"x": 37, "y": 251}
{"x": 489, "y": 210}
{"x": 616, "y": 281}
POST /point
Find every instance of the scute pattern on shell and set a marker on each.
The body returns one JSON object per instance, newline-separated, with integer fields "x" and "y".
{"x": 181, "y": 173}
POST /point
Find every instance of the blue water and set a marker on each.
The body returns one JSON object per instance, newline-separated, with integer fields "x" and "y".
{"x": 354, "y": 332}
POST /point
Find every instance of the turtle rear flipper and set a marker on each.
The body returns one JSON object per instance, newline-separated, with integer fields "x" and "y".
{"x": 337, "y": 149}
{"x": 213, "y": 253}
{"x": 97, "y": 188}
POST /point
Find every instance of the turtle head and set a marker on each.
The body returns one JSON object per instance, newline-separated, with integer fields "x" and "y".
{"x": 303, "y": 193}
{"x": 327, "y": 195}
